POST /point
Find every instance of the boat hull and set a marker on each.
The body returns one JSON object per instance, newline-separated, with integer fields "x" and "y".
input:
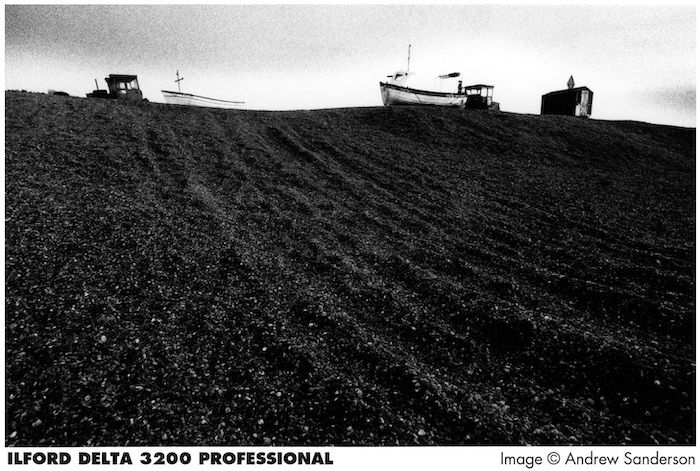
{"x": 187, "y": 99}
{"x": 394, "y": 95}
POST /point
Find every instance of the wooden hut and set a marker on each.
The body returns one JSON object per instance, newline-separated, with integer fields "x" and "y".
{"x": 572, "y": 101}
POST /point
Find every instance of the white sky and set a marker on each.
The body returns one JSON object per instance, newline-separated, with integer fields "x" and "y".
{"x": 639, "y": 61}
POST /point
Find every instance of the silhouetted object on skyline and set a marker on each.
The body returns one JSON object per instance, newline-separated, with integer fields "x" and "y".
{"x": 470, "y": 96}
{"x": 395, "y": 92}
{"x": 121, "y": 87}
{"x": 178, "y": 80}
{"x": 571, "y": 102}
{"x": 188, "y": 99}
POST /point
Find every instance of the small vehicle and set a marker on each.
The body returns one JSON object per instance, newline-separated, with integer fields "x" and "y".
{"x": 120, "y": 87}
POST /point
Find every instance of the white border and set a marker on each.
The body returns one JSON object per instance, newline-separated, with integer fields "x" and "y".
{"x": 356, "y": 458}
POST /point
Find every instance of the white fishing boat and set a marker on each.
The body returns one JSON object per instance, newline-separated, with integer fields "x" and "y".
{"x": 188, "y": 99}
{"x": 395, "y": 92}
{"x": 179, "y": 98}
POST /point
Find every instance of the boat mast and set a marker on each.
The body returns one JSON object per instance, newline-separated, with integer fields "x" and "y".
{"x": 177, "y": 74}
{"x": 408, "y": 66}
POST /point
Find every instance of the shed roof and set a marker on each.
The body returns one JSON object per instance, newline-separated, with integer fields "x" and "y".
{"x": 567, "y": 90}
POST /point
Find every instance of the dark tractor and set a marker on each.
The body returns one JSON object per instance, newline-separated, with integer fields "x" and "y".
{"x": 120, "y": 87}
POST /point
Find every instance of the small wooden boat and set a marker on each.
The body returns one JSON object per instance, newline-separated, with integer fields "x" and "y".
{"x": 188, "y": 99}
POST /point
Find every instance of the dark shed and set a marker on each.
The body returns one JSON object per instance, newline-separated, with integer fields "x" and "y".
{"x": 572, "y": 102}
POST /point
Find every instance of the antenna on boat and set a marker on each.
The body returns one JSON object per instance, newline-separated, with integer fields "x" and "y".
{"x": 408, "y": 66}
{"x": 179, "y": 79}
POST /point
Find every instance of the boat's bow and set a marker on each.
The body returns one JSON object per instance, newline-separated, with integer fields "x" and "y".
{"x": 385, "y": 93}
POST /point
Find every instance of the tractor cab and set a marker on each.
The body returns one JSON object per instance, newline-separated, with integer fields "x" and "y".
{"x": 478, "y": 96}
{"x": 124, "y": 87}
{"x": 120, "y": 87}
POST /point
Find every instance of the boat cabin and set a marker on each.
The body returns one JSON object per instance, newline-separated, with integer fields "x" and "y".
{"x": 121, "y": 87}
{"x": 478, "y": 96}
{"x": 398, "y": 78}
